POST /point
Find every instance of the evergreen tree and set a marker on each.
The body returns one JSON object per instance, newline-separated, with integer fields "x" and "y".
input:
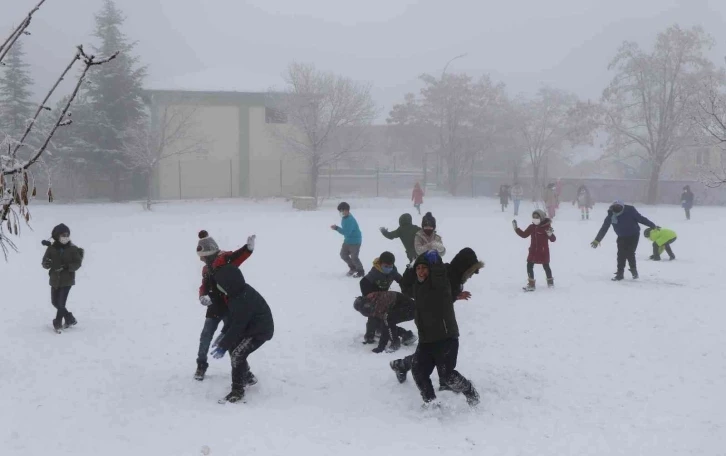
{"x": 15, "y": 92}
{"x": 114, "y": 93}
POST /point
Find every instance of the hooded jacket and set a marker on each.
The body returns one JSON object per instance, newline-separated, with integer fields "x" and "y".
{"x": 539, "y": 248}
{"x": 435, "y": 317}
{"x": 377, "y": 280}
{"x": 406, "y": 232}
{"x": 661, "y": 237}
{"x": 218, "y": 309}
{"x": 628, "y": 223}
{"x": 62, "y": 262}
{"x": 417, "y": 195}
{"x": 464, "y": 265}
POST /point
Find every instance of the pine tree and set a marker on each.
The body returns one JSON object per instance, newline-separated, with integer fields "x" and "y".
{"x": 15, "y": 92}
{"x": 115, "y": 94}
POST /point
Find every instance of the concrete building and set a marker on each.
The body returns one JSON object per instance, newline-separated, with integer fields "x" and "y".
{"x": 242, "y": 155}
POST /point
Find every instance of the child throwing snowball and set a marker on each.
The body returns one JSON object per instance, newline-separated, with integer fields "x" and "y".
{"x": 540, "y": 233}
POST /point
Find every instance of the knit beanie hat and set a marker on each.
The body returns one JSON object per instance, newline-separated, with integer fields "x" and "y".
{"x": 387, "y": 258}
{"x": 58, "y": 230}
{"x": 428, "y": 221}
{"x": 206, "y": 245}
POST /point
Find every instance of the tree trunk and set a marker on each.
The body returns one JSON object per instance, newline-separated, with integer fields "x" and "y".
{"x": 314, "y": 175}
{"x": 652, "y": 197}
{"x": 536, "y": 190}
{"x": 149, "y": 189}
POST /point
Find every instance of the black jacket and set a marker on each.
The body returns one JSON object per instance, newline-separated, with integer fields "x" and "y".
{"x": 435, "y": 317}
{"x": 377, "y": 280}
{"x": 628, "y": 223}
{"x": 62, "y": 262}
{"x": 462, "y": 267}
{"x": 249, "y": 314}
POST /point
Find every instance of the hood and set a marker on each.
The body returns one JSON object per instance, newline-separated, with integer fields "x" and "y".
{"x": 58, "y": 230}
{"x": 465, "y": 264}
{"x": 363, "y": 305}
{"x": 405, "y": 220}
{"x": 542, "y": 215}
{"x": 377, "y": 264}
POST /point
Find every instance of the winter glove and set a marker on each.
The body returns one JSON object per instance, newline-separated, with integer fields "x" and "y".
{"x": 217, "y": 340}
{"x": 47, "y": 263}
{"x": 205, "y": 300}
{"x": 432, "y": 256}
{"x": 218, "y": 353}
{"x": 514, "y": 224}
{"x": 251, "y": 242}
{"x": 383, "y": 230}
{"x": 550, "y": 231}
{"x": 378, "y": 350}
{"x": 595, "y": 244}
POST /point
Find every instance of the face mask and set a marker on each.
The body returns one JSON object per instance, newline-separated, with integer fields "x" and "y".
{"x": 618, "y": 209}
{"x": 387, "y": 269}
{"x": 64, "y": 240}
{"x": 428, "y": 231}
{"x": 342, "y": 214}
{"x": 536, "y": 221}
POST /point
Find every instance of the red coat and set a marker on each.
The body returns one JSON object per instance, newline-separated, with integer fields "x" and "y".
{"x": 539, "y": 247}
{"x": 417, "y": 195}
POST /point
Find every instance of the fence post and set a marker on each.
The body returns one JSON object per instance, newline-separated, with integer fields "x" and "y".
{"x": 378, "y": 180}
{"x": 473, "y": 193}
{"x": 180, "y": 181}
{"x": 231, "y": 179}
{"x": 281, "y": 188}
{"x": 330, "y": 179}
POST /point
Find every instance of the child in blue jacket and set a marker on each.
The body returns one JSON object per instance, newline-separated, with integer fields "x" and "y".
{"x": 352, "y": 240}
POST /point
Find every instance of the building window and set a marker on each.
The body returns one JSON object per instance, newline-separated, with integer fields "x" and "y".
{"x": 275, "y": 116}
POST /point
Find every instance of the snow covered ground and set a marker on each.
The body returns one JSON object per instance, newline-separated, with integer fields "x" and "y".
{"x": 590, "y": 368}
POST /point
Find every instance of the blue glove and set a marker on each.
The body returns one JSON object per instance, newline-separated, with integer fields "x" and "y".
{"x": 432, "y": 256}
{"x": 218, "y": 353}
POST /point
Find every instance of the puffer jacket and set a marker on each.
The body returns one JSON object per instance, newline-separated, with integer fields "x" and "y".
{"x": 62, "y": 262}
{"x": 435, "y": 317}
{"x": 423, "y": 243}
{"x": 406, "y": 231}
{"x": 464, "y": 265}
{"x": 377, "y": 280}
{"x": 539, "y": 248}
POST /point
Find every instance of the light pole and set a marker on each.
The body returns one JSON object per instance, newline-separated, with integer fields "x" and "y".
{"x": 441, "y": 126}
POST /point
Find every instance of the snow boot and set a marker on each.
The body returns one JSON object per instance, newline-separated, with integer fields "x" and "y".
{"x": 236, "y": 395}
{"x": 57, "y": 325}
{"x": 358, "y": 274}
{"x": 410, "y": 338}
{"x": 550, "y": 283}
{"x": 654, "y": 258}
{"x": 70, "y": 320}
{"x": 369, "y": 339}
{"x": 634, "y": 272}
{"x": 618, "y": 277}
{"x": 672, "y": 257}
{"x": 201, "y": 370}
{"x": 531, "y": 285}
{"x": 398, "y": 367}
{"x": 249, "y": 379}
{"x": 472, "y": 396}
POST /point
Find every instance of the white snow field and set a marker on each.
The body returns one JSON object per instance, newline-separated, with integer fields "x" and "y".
{"x": 591, "y": 367}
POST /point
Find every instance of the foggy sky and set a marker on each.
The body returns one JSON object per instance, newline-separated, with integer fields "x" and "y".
{"x": 524, "y": 43}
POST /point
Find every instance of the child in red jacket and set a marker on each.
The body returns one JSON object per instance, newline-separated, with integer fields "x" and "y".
{"x": 541, "y": 233}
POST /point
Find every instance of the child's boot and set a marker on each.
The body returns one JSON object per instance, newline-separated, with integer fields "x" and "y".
{"x": 57, "y": 324}
{"x": 70, "y": 320}
{"x": 530, "y": 285}
{"x": 550, "y": 283}
{"x": 201, "y": 370}
{"x": 634, "y": 272}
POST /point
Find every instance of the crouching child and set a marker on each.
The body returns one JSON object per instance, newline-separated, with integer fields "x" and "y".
{"x": 250, "y": 326}
{"x": 379, "y": 278}
{"x": 662, "y": 239}
{"x": 385, "y": 310}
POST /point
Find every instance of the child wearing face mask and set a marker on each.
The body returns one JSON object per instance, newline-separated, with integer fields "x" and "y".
{"x": 427, "y": 239}
{"x": 380, "y": 278}
{"x": 62, "y": 259}
{"x": 541, "y": 234}
{"x": 352, "y": 240}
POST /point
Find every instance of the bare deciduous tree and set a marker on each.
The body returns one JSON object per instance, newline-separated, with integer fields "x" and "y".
{"x": 649, "y": 102}
{"x": 173, "y": 132}
{"x": 329, "y": 115}
{"x": 15, "y": 178}
{"x": 710, "y": 116}
{"x": 547, "y": 123}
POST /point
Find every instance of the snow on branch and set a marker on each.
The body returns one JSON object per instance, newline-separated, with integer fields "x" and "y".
{"x": 16, "y": 181}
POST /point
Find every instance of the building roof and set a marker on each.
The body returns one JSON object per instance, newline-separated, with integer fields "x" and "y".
{"x": 221, "y": 79}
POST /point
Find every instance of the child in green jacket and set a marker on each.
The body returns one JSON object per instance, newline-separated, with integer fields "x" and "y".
{"x": 662, "y": 239}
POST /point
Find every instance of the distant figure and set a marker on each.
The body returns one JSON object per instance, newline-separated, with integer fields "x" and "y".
{"x": 558, "y": 191}
{"x": 584, "y": 202}
{"x": 550, "y": 200}
{"x": 517, "y": 195}
{"x": 504, "y": 196}
{"x": 687, "y": 201}
{"x": 417, "y": 197}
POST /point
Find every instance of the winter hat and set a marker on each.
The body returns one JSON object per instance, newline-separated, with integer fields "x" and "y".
{"x": 58, "y": 230}
{"x": 405, "y": 220}
{"x": 363, "y": 305}
{"x": 540, "y": 213}
{"x": 647, "y": 232}
{"x": 206, "y": 245}
{"x": 428, "y": 221}
{"x": 387, "y": 258}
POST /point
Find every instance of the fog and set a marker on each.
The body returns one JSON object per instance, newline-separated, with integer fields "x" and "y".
{"x": 563, "y": 43}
